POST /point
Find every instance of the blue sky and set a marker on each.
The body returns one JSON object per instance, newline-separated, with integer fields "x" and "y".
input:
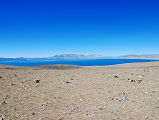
{"x": 39, "y": 28}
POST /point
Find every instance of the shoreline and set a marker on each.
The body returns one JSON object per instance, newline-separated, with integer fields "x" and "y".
{"x": 72, "y": 65}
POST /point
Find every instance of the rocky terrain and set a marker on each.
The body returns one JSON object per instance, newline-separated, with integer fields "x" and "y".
{"x": 120, "y": 92}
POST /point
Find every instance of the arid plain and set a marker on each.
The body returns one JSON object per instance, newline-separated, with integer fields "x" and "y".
{"x": 119, "y": 92}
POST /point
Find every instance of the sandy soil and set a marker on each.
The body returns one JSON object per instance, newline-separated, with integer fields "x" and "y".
{"x": 121, "y": 92}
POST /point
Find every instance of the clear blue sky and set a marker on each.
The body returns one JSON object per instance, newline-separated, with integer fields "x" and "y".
{"x": 36, "y": 28}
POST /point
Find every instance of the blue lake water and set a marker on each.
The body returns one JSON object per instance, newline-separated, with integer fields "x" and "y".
{"x": 81, "y": 62}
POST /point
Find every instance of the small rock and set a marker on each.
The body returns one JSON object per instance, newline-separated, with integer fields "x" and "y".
{"x": 121, "y": 98}
{"x": 0, "y": 76}
{"x": 33, "y": 113}
{"x": 154, "y": 91}
{"x": 116, "y": 76}
{"x": 140, "y": 76}
{"x": 4, "y": 102}
{"x": 71, "y": 79}
{"x": 100, "y": 108}
{"x": 44, "y": 105}
{"x": 12, "y": 84}
{"x": 37, "y": 81}
{"x": 57, "y": 75}
{"x": 132, "y": 80}
{"x": 68, "y": 82}
{"x": 7, "y": 96}
{"x": 139, "y": 81}
{"x": 111, "y": 98}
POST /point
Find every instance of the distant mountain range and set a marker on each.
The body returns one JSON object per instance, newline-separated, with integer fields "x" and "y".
{"x": 143, "y": 56}
{"x": 76, "y": 56}
{"x": 62, "y": 56}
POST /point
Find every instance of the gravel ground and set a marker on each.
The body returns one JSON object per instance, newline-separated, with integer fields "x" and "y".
{"x": 120, "y": 92}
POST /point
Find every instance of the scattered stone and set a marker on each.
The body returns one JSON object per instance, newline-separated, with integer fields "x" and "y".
{"x": 15, "y": 75}
{"x": 146, "y": 92}
{"x": 68, "y": 82}
{"x": 12, "y": 84}
{"x": 111, "y": 98}
{"x": 154, "y": 91}
{"x": 139, "y": 81}
{"x": 44, "y": 105}
{"x": 140, "y": 76}
{"x": 132, "y": 80}
{"x": 7, "y": 96}
{"x": 71, "y": 79}
{"x": 121, "y": 98}
{"x": 4, "y": 102}
{"x": 116, "y": 76}
{"x": 100, "y": 108}
{"x": 33, "y": 113}
{"x": 57, "y": 75}
{"x": 37, "y": 81}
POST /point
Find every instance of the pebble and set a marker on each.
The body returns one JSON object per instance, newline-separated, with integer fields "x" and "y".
{"x": 116, "y": 76}
{"x": 100, "y": 108}
{"x": 57, "y": 75}
{"x": 37, "y": 81}
{"x": 132, "y": 80}
{"x": 139, "y": 81}
{"x": 68, "y": 82}
{"x": 121, "y": 98}
{"x": 33, "y": 113}
{"x": 140, "y": 76}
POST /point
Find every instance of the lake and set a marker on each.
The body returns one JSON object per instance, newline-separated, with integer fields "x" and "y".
{"x": 80, "y": 62}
